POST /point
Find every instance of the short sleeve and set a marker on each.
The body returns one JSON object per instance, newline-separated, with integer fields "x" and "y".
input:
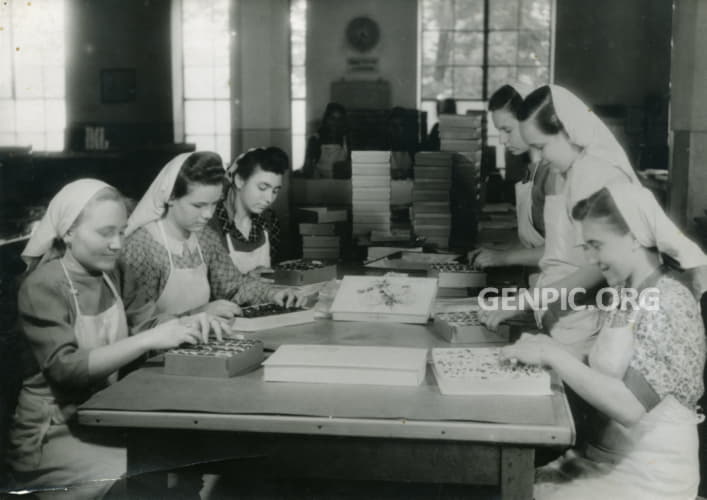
{"x": 669, "y": 345}
{"x": 46, "y": 319}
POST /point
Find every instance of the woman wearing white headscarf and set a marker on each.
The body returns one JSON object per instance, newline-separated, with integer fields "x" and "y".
{"x": 505, "y": 106}
{"x": 585, "y": 153}
{"x": 74, "y": 310}
{"x": 644, "y": 374}
{"x": 171, "y": 248}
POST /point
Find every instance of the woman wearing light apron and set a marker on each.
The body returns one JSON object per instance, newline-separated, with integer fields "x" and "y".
{"x": 171, "y": 249}
{"x": 328, "y": 154}
{"x": 584, "y": 152}
{"x": 644, "y": 373}
{"x": 76, "y": 324}
{"x": 530, "y": 193}
{"x": 249, "y": 226}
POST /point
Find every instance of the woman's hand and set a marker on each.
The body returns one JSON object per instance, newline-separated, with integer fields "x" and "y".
{"x": 288, "y": 297}
{"x": 481, "y": 258}
{"x": 492, "y": 319}
{"x": 206, "y": 323}
{"x": 171, "y": 334}
{"x": 224, "y": 309}
{"x": 532, "y": 349}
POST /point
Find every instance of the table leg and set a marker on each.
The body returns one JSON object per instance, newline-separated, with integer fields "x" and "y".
{"x": 517, "y": 473}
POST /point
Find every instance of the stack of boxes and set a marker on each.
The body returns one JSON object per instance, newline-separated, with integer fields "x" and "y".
{"x": 322, "y": 229}
{"x": 370, "y": 184}
{"x": 431, "y": 215}
{"x": 498, "y": 224}
{"x": 461, "y": 133}
{"x": 465, "y": 198}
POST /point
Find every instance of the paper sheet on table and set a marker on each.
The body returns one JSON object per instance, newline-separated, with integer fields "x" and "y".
{"x": 149, "y": 389}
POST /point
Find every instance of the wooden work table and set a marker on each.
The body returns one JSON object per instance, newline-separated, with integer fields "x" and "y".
{"x": 406, "y": 434}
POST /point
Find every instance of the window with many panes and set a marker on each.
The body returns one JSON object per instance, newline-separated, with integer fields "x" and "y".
{"x": 298, "y": 57}
{"x": 206, "y": 40}
{"x": 32, "y": 55}
{"x": 453, "y": 32}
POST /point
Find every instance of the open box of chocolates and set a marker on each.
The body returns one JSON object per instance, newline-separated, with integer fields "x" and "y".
{"x": 303, "y": 272}
{"x": 270, "y": 315}
{"x": 222, "y": 359}
{"x": 465, "y": 327}
{"x": 455, "y": 275}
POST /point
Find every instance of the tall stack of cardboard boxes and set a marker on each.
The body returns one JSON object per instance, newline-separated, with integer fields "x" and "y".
{"x": 431, "y": 216}
{"x": 370, "y": 197}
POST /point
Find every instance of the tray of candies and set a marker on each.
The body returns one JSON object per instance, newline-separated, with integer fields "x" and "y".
{"x": 224, "y": 358}
{"x": 303, "y": 272}
{"x": 270, "y": 315}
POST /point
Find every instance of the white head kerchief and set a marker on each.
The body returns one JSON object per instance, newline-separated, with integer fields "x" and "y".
{"x": 587, "y": 131}
{"x": 153, "y": 204}
{"x": 652, "y": 227}
{"x": 62, "y": 212}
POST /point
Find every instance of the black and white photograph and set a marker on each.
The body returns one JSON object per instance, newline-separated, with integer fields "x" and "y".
{"x": 353, "y": 249}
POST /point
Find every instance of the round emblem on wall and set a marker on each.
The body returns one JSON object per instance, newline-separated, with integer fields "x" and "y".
{"x": 362, "y": 33}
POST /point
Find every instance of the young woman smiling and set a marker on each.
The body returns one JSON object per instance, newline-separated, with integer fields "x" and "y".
{"x": 76, "y": 310}
{"x": 644, "y": 373}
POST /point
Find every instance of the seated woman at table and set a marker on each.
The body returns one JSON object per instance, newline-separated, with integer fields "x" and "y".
{"x": 250, "y": 228}
{"x": 505, "y": 105}
{"x": 179, "y": 260}
{"x": 644, "y": 373}
{"x": 587, "y": 157}
{"x": 76, "y": 324}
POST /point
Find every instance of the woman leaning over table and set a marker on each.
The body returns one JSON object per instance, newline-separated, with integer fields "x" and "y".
{"x": 587, "y": 157}
{"x": 644, "y": 373}
{"x": 76, "y": 325}
{"x": 179, "y": 260}
{"x": 505, "y": 106}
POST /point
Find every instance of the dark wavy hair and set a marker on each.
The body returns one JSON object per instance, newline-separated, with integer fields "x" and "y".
{"x": 270, "y": 159}
{"x": 539, "y": 107}
{"x": 506, "y": 98}
{"x": 201, "y": 167}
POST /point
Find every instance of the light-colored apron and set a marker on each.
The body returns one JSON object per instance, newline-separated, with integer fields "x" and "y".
{"x": 42, "y": 445}
{"x": 562, "y": 257}
{"x": 655, "y": 459}
{"x": 245, "y": 262}
{"x": 174, "y": 299}
{"x": 527, "y": 234}
{"x": 330, "y": 154}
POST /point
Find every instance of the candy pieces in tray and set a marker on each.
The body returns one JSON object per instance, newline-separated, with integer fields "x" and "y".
{"x": 481, "y": 371}
{"x": 464, "y": 327}
{"x": 303, "y": 272}
{"x": 215, "y": 359}
{"x": 271, "y": 315}
{"x": 454, "y": 275}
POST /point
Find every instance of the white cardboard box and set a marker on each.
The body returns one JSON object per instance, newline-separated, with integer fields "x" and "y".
{"x": 339, "y": 364}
